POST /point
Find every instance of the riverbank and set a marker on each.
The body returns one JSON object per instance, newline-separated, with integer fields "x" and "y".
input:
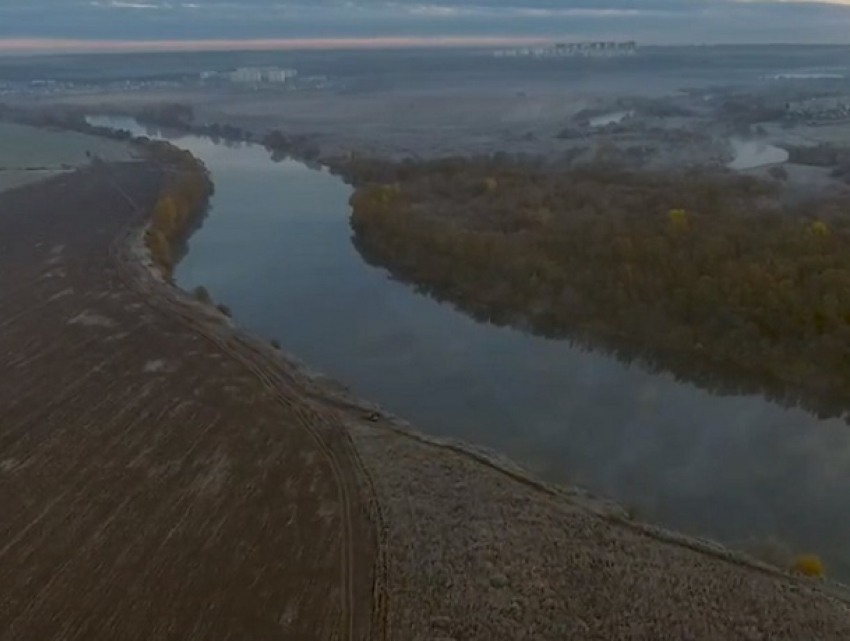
{"x": 221, "y": 494}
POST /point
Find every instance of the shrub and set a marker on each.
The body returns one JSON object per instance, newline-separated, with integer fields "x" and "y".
{"x": 275, "y": 343}
{"x": 779, "y": 172}
{"x": 770, "y": 550}
{"x": 201, "y": 295}
{"x": 819, "y": 228}
{"x": 224, "y": 309}
{"x": 633, "y": 512}
{"x": 808, "y": 565}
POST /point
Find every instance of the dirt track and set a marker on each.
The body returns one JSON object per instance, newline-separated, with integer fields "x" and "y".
{"x": 156, "y": 480}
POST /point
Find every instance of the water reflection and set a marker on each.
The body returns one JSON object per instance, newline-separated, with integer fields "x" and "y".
{"x": 610, "y": 119}
{"x": 277, "y": 249}
{"x": 719, "y": 380}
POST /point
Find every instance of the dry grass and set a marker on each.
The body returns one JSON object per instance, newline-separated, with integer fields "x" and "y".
{"x": 475, "y": 554}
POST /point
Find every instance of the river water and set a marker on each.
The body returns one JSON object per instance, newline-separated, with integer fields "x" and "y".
{"x": 749, "y": 154}
{"x": 277, "y": 249}
{"x": 609, "y": 119}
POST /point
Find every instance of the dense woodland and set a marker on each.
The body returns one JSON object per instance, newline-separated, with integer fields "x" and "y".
{"x": 707, "y": 272}
{"x": 181, "y": 205}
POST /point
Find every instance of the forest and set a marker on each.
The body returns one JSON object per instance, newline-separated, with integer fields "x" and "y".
{"x": 707, "y": 273}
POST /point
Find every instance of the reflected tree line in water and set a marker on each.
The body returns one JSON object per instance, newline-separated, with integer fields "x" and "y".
{"x": 706, "y": 375}
{"x": 708, "y": 275}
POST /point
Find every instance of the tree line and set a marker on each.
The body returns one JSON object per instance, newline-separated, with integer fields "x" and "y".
{"x": 181, "y": 205}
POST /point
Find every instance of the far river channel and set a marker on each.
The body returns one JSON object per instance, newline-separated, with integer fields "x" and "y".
{"x": 276, "y": 248}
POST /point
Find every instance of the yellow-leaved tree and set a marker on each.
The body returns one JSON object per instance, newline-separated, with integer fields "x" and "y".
{"x": 678, "y": 219}
{"x": 165, "y": 216}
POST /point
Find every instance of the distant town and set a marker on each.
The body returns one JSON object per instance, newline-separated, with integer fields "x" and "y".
{"x": 820, "y": 110}
{"x": 254, "y": 78}
{"x": 252, "y": 75}
{"x": 573, "y": 50}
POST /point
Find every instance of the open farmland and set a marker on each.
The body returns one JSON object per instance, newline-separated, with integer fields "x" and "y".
{"x": 155, "y": 485}
{"x": 29, "y": 154}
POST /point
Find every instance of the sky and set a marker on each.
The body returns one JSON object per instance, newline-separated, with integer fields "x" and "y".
{"x": 69, "y": 24}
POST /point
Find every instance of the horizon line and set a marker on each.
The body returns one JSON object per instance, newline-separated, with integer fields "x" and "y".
{"x": 53, "y": 46}
{"x": 74, "y": 45}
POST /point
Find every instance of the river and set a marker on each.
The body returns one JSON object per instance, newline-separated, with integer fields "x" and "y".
{"x": 277, "y": 249}
{"x": 610, "y": 119}
{"x": 749, "y": 154}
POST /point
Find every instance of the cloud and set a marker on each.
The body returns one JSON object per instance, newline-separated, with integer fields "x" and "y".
{"x": 119, "y": 4}
{"x": 579, "y": 12}
{"x": 647, "y": 21}
{"x": 845, "y": 3}
{"x": 496, "y": 11}
{"x": 116, "y": 4}
{"x": 435, "y": 10}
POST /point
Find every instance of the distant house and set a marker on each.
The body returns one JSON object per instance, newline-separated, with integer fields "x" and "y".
{"x": 600, "y": 49}
{"x": 280, "y": 75}
{"x": 826, "y": 109}
{"x": 259, "y": 75}
{"x": 246, "y": 74}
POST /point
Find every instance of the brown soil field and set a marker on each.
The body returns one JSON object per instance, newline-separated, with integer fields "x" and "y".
{"x": 163, "y": 475}
{"x": 157, "y": 481}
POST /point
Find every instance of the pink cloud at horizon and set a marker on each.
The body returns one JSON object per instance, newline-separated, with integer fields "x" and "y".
{"x": 58, "y": 45}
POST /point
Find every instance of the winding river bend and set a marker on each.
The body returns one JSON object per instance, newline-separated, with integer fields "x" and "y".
{"x": 276, "y": 248}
